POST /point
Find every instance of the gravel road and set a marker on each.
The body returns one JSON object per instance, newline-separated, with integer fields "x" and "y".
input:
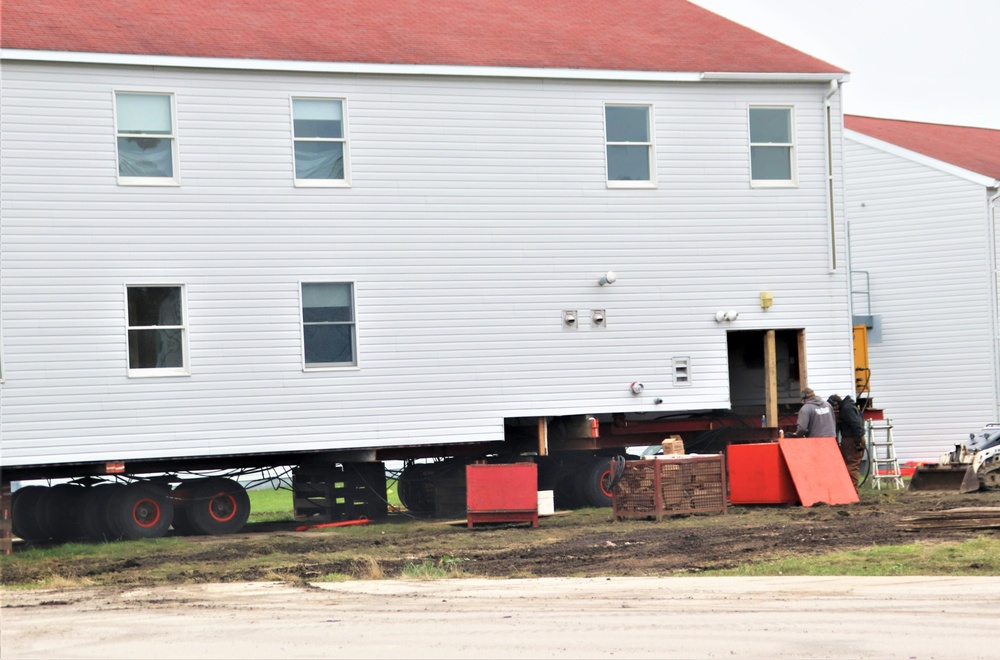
{"x": 679, "y": 617}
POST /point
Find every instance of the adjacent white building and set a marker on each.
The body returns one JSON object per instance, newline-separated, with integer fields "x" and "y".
{"x": 251, "y": 227}
{"x": 922, "y": 205}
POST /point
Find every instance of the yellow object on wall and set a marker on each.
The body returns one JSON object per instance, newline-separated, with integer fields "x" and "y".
{"x": 862, "y": 374}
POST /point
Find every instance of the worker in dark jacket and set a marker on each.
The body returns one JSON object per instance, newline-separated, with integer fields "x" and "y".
{"x": 816, "y": 418}
{"x": 851, "y": 425}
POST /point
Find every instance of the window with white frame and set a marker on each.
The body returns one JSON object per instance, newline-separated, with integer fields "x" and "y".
{"x": 144, "y": 125}
{"x": 629, "y": 145}
{"x": 320, "y": 142}
{"x": 772, "y": 146}
{"x": 157, "y": 334}
{"x": 328, "y": 328}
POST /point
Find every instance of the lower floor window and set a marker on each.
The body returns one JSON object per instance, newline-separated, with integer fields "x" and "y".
{"x": 157, "y": 340}
{"x": 328, "y": 327}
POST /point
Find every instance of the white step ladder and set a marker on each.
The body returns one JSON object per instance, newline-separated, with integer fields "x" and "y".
{"x": 882, "y": 455}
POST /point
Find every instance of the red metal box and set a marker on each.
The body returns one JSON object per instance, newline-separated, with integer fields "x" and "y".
{"x": 502, "y": 493}
{"x": 758, "y": 474}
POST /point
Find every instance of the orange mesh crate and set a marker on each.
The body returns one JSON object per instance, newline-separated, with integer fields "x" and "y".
{"x": 670, "y": 487}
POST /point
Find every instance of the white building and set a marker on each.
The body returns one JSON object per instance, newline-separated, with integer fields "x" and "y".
{"x": 246, "y": 228}
{"x": 922, "y": 204}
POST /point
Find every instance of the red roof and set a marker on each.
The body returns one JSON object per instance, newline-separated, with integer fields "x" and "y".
{"x": 973, "y": 149}
{"x": 633, "y": 35}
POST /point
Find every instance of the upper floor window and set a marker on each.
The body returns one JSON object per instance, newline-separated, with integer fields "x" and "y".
{"x": 157, "y": 335}
{"x": 772, "y": 146}
{"x": 320, "y": 142}
{"x": 144, "y": 125}
{"x": 328, "y": 335}
{"x": 628, "y": 136}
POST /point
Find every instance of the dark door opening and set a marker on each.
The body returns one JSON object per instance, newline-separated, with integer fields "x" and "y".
{"x": 748, "y": 363}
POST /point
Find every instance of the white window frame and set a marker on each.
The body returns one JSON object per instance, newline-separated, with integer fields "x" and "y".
{"x": 174, "y": 180}
{"x": 345, "y": 141}
{"x": 792, "y": 182}
{"x": 158, "y": 372}
{"x": 650, "y": 146}
{"x": 330, "y": 366}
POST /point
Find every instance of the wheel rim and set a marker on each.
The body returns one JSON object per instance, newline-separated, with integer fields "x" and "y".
{"x": 222, "y": 507}
{"x": 606, "y": 478}
{"x": 146, "y": 513}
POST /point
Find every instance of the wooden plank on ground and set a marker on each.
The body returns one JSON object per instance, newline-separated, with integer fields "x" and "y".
{"x": 962, "y": 518}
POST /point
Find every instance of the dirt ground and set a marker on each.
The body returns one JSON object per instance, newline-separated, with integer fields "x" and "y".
{"x": 586, "y": 543}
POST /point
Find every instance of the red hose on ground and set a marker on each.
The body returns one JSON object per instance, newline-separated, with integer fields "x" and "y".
{"x": 342, "y": 523}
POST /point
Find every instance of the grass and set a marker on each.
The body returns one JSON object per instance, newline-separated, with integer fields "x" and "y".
{"x": 980, "y": 556}
{"x": 445, "y": 567}
{"x": 271, "y": 505}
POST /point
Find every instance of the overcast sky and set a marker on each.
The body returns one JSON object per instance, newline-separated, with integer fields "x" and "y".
{"x": 919, "y": 60}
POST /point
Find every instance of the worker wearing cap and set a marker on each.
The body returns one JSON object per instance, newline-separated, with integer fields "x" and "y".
{"x": 851, "y": 425}
{"x": 816, "y": 418}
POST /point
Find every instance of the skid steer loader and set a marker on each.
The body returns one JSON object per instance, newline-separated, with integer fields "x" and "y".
{"x": 970, "y": 466}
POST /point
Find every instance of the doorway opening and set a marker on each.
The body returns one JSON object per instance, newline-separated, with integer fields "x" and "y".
{"x": 764, "y": 360}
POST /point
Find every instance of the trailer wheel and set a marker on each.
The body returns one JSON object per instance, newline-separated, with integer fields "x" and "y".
{"x": 60, "y": 512}
{"x": 217, "y": 506}
{"x": 594, "y": 482}
{"x": 140, "y": 510}
{"x": 24, "y": 513}
{"x": 415, "y": 487}
{"x": 95, "y": 512}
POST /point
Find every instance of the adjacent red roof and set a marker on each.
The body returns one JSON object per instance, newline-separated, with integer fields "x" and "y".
{"x": 973, "y": 149}
{"x": 636, "y": 35}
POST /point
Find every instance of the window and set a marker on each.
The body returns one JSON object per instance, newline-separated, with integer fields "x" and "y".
{"x": 328, "y": 336}
{"x": 157, "y": 337}
{"x": 145, "y": 130}
{"x": 629, "y": 146}
{"x": 320, "y": 143}
{"x": 772, "y": 149}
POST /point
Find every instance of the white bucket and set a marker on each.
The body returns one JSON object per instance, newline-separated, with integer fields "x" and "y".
{"x": 546, "y": 502}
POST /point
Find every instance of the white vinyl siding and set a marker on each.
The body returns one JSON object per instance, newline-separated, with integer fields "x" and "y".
{"x": 479, "y": 210}
{"x": 145, "y": 138}
{"x": 920, "y": 235}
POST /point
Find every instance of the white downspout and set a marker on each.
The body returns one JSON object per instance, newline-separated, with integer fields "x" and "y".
{"x": 993, "y": 236}
{"x": 832, "y": 207}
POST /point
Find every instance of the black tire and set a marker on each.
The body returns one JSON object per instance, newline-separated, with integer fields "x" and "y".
{"x": 96, "y": 512}
{"x": 24, "y": 513}
{"x": 415, "y": 488}
{"x": 217, "y": 506}
{"x": 60, "y": 512}
{"x": 140, "y": 510}
{"x": 593, "y": 482}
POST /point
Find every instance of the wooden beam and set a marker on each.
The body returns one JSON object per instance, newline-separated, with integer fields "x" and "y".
{"x": 803, "y": 371}
{"x": 770, "y": 381}
{"x": 543, "y": 436}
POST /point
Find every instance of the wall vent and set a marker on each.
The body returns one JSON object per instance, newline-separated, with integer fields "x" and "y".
{"x": 681, "y": 367}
